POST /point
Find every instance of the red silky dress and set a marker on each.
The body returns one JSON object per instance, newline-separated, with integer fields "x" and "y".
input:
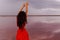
{"x": 22, "y": 35}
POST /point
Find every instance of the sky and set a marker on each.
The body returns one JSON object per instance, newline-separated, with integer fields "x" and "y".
{"x": 36, "y": 7}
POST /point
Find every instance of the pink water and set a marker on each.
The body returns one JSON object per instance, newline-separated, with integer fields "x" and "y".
{"x": 37, "y": 29}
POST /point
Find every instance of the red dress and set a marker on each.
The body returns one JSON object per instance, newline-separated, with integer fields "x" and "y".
{"x": 22, "y": 35}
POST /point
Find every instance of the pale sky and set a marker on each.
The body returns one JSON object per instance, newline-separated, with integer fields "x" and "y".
{"x": 36, "y": 7}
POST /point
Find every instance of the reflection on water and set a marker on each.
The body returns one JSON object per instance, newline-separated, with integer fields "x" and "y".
{"x": 7, "y": 28}
{"x": 39, "y": 28}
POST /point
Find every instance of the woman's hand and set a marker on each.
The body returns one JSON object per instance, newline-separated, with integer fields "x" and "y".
{"x": 26, "y": 4}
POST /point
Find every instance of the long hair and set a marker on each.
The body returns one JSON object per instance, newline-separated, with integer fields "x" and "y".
{"x": 21, "y": 19}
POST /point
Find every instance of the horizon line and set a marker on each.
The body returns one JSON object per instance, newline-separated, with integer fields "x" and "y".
{"x": 28, "y": 15}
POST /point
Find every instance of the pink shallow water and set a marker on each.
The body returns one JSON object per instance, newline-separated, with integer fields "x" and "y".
{"x": 37, "y": 30}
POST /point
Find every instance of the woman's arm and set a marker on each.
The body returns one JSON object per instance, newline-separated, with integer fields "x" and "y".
{"x": 21, "y": 8}
{"x": 26, "y": 5}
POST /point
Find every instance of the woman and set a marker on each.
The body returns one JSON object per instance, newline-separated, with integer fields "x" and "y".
{"x": 22, "y": 34}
